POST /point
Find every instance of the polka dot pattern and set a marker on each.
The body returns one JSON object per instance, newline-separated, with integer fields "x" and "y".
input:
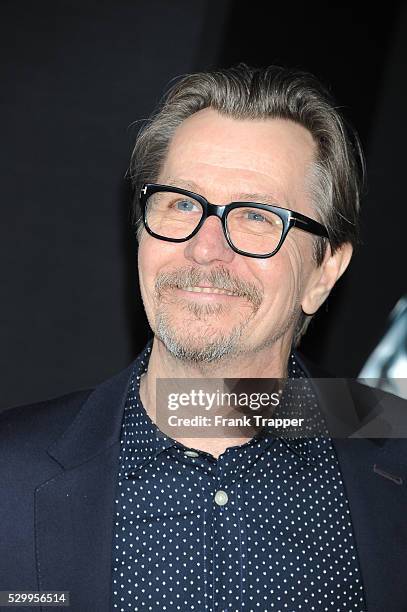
{"x": 264, "y": 527}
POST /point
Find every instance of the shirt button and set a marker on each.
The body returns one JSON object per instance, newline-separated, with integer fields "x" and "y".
{"x": 191, "y": 453}
{"x": 221, "y": 498}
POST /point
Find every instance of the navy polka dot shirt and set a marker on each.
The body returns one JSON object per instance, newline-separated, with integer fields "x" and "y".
{"x": 264, "y": 527}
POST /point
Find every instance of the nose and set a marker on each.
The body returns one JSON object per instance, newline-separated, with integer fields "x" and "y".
{"x": 209, "y": 244}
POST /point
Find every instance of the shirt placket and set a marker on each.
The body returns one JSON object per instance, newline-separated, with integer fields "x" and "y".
{"x": 228, "y": 544}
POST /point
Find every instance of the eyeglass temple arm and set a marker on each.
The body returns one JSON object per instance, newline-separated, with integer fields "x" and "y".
{"x": 309, "y": 225}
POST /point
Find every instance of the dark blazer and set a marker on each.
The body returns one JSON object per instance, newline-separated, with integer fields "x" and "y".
{"x": 58, "y": 474}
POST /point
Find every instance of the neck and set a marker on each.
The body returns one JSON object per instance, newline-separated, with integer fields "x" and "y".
{"x": 270, "y": 362}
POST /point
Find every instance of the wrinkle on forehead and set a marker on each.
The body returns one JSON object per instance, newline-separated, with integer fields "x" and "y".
{"x": 219, "y": 135}
{"x": 259, "y": 157}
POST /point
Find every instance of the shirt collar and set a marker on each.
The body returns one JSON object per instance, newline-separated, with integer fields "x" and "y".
{"x": 147, "y": 440}
{"x": 308, "y": 448}
{"x": 143, "y": 440}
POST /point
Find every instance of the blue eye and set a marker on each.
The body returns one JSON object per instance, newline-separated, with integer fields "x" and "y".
{"x": 185, "y": 205}
{"x": 255, "y": 216}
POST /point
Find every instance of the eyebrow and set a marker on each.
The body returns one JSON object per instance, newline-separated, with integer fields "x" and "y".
{"x": 261, "y": 198}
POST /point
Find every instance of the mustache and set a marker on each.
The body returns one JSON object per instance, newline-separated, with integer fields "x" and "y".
{"x": 219, "y": 278}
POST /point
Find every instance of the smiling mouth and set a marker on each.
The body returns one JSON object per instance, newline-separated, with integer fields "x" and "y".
{"x": 209, "y": 290}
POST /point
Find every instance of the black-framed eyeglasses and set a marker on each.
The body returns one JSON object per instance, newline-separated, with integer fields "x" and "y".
{"x": 254, "y": 230}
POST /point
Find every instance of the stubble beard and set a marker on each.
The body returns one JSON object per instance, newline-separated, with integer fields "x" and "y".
{"x": 209, "y": 345}
{"x": 202, "y": 338}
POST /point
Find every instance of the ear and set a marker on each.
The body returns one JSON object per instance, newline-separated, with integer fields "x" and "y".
{"x": 324, "y": 277}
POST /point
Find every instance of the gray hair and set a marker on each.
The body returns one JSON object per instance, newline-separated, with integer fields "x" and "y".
{"x": 242, "y": 92}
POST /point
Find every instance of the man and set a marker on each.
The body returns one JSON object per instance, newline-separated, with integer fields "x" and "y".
{"x": 247, "y": 188}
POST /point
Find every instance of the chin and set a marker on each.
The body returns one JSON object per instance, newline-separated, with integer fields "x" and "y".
{"x": 199, "y": 343}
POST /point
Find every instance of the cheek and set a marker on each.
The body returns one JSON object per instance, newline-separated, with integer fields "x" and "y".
{"x": 153, "y": 256}
{"x": 148, "y": 264}
{"x": 281, "y": 276}
{"x": 143, "y": 259}
{"x": 300, "y": 263}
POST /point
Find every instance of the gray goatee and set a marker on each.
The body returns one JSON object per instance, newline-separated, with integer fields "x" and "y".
{"x": 211, "y": 345}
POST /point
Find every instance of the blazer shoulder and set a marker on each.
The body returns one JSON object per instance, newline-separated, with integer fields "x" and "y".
{"x": 41, "y": 422}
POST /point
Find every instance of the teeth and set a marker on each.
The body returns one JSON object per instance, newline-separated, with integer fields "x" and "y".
{"x": 209, "y": 290}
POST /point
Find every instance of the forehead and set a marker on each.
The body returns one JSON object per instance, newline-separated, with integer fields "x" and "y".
{"x": 226, "y": 157}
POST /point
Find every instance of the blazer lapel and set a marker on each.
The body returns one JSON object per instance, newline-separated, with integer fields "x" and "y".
{"x": 74, "y": 510}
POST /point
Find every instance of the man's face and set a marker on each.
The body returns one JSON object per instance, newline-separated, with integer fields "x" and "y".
{"x": 229, "y": 160}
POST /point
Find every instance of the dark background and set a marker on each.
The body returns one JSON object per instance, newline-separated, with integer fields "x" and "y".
{"x": 77, "y": 78}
